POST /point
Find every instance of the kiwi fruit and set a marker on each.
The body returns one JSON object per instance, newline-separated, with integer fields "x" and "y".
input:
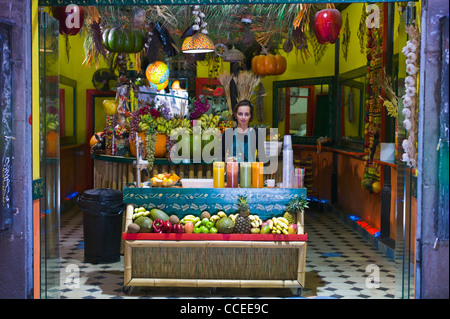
{"x": 205, "y": 214}
{"x": 174, "y": 219}
{"x": 133, "y": 228}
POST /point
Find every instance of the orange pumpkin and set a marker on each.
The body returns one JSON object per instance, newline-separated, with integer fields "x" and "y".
{"x": 268, "y": 64}
{"x": 160, "y": 147}
{"x": 94, "y": 140}
{"x": 281, "y": 64}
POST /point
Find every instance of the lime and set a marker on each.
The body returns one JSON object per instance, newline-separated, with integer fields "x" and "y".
{"x": 209, "y": 225}
{"x": 197, "y": 230}
{"x": 205, "y": 221}
{"x": 204, "y": 229}
{"x": 213, "y": 230}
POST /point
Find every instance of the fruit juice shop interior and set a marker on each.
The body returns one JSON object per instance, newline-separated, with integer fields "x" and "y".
{"x": 322, "y": 86}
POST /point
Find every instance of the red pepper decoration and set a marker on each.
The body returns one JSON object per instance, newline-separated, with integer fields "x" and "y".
{"x": 157, "y": 225}
{"x": 177, "y": 228}
{"x": 166, "y": 227}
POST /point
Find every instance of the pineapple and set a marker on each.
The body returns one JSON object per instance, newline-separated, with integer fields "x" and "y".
{"x": 294, "y": 206}
{"x": 242, "y": 224}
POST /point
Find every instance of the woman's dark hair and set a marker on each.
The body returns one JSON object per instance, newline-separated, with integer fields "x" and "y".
{"x": 243, "y": 103}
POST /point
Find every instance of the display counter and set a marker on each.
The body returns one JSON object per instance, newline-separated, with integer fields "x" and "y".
{"x": 213, "y": 260}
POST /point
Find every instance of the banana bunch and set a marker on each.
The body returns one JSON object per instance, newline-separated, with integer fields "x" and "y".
{"x": 190, "y": 218}
{"x": 169, "y": 126}
{"x": 233, "y": 217}
{"x": 279, "y": 225}
{"x": 52, "y": 122}
{"x": 217, "y": 216}
{"x": 161, "y": 125}
{"x": 209, "y": 121}
{"x": 145, "y": 122}
{"x": 255, "y": 221}
{"x": 140, "y": 211}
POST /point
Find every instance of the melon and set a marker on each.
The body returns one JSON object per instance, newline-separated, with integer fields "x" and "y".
{"x": 225, "y": 225}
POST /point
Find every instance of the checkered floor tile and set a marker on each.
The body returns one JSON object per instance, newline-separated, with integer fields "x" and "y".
{"x": 340, "y": 264}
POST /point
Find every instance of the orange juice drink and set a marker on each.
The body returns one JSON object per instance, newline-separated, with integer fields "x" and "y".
{"x": 257, "y": 174}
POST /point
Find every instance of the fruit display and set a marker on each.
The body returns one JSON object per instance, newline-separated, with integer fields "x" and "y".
{"x": 164, "y": 180}
{"x": 158, "y": 221}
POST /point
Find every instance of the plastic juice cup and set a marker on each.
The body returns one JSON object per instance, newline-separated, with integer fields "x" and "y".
{"x": 246, "y": 175}
{"x": 232, "y": 174}
{"x": 257, "y": 174}
{"x": 218, "y": 174}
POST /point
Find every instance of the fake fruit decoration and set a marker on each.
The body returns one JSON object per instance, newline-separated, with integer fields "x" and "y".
{"x": 117, "y": 39}
{"x": 71, "y": 18}
{"x": 110, "y": 106}
{"x": 327, "y": 24}
{"x": 157, "y": 75}
{"x": 269, "y": 64}
{"x": 96, "y": 138}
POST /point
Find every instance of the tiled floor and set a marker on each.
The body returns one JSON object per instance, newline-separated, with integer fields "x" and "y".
{"x": 339, "y": 264}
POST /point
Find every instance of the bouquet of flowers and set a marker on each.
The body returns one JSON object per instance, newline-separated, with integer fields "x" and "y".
{"x": 200, "y": 106}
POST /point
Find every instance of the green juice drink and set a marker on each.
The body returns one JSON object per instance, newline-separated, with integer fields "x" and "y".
{"x": 246, "y": 175}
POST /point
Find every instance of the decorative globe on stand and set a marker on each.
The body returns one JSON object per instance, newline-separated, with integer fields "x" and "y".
{"x": 157, "y": 72}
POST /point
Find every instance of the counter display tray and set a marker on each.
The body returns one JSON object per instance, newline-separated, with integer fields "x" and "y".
{"x": 264, "y": 202}
{"x": 213, "y": 260}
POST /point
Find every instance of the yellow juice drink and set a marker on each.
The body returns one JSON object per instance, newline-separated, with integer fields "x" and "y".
{"x": 218, "y": 174}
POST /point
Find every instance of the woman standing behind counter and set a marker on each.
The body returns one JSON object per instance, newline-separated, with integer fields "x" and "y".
{"x": 241, "y": 142}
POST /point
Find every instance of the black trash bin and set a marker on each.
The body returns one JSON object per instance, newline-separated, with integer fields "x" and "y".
{"x": 102, "y": 224}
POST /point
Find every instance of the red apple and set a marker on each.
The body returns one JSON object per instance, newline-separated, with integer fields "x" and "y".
{"x": 70, "y": 18}
{"x": 292, "y": 229}
{"x": 327, "y": 24}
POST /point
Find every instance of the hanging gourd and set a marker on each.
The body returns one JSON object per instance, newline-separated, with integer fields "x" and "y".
{"x": 117, "y": 39}
{"x": 269, "y": 64}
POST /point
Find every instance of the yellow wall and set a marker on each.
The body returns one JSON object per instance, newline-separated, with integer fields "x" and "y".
{"x": 295, "y": 69}
{"x": 355, "y": 59}
{"x": 71, "y": 66}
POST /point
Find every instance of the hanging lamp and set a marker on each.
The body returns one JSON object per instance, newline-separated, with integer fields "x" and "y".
{"x": 198, "y": 42}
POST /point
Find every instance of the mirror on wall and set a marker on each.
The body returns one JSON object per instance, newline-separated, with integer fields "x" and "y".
{"x": 351, "y": 105}
{"x": 303, "y": 108}
{"x": 68, "y": 110}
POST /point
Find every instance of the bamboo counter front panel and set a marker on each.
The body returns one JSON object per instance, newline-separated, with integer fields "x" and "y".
{"x": 213, "y": 260}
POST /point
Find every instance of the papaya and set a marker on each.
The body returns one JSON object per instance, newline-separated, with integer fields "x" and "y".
{"x": 156, "y": 213}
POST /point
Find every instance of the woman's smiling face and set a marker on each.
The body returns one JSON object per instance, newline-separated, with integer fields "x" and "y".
{"x": 243, "y": 115}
